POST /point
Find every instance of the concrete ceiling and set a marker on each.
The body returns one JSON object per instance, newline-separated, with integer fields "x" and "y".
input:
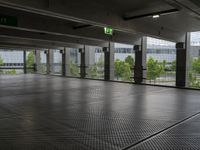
{"x": 82, "y": 22}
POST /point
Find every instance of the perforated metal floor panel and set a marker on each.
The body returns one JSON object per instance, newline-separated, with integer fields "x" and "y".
{"x": 56, "y": 113}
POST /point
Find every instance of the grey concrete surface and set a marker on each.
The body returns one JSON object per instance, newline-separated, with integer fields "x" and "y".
{"x": 39, "y": 112}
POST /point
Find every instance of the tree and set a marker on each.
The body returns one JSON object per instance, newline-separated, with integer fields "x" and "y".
{"x": 100, "y": 62}
{"x": 74, "y": 69}
{"x": 93, "y": 71}
{"x": 154, "y": 69}
{"x": 173, "y": 65}
{"x": 118, "y": 70}
{"x": 100, "y": 67}
{"x": 1, "y": 63}
{"x": 193, "y": 74}
{"x": 96, "y": 70}
{"x": 193, "y": 80}
{"x": 122, "y": 70}
{"x": 196, "y": 65}
{"x": 12, "y": 71}
{"x": 126, "y": 75}
{"x": 30, "y": 60}
{"x": 130, "y": 60}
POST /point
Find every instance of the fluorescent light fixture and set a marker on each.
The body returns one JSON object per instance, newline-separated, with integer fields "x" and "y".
{"x": 156, "y": 16}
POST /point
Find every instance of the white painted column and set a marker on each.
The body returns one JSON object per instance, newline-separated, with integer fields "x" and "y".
{"x": 112, "y": 60}
{"x": 144, "y": 57}
{"x": 37, "y": 60}
{"x": 67, "y": 61}
{"x": 51, "y": 62}
{"x": 88, "y": 57}
{"x": 188, "y": 57}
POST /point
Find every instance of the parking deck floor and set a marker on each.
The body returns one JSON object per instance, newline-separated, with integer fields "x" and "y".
{"x": 39, "y": 112}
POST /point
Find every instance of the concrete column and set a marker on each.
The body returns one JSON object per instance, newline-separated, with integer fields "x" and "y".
{"x": 89, "y": 57}
{"x": 63, "y": 62}
{"x": 188, "y": 57}
{"x": 106, "y": 51}
{"x": 82, "y": 65}
{"x": 48, "y": 61}
{"x": 37, "y": 60}
{"x": 24, "y": 54}
{"x": 67, "y": 61}
{"x": 144, "y": 57}
{"x": 112, "y": 60}
{"x": 140, "y": 61}
{"x": 51, "y": 65}
{"x": 138, "y": 68}
{"x": 181, "y": 64}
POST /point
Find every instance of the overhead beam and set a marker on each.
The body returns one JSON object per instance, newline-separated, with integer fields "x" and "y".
{"x": 17, "y": 42}
{"x": 165, "y": 12}
{"x": 49, "y": 37}
{"x": 82, "y": 26}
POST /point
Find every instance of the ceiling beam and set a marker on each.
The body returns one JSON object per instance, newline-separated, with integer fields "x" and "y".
{"x": 165, "y": 12}
{"x": 82, "y": 26}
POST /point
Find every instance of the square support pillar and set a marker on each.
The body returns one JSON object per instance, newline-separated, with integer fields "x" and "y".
{"x": 181, "y": 64}
{"x": 51, "y": 59}
{"x": 67, "y": 61}
{"x": 82, "y": 65}
{"x": 138, "y": 68}
{"x": 24, "y": 55}
{"x": 48, "y": 62}
{"x": 188, "y": 58}
{"x": 106, "y": 51}
{"x": 89, "y": 57}
{"x": 140, "y": 61}
{"x": 37, "y": 60}
{"x": 112, "y": 60}
{"x": 63, "y": 53}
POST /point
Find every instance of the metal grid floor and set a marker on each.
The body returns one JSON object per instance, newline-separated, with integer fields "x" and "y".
{"x": 53, "y": 113}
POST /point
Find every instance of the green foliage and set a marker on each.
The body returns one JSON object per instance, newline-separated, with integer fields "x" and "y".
{"x": 96, "y": 70}
{"x": 118, "y": 71}
{"x": 154, "y": 69}
{"x": 194, "y": 81}
{"x": 30, "y": 60}
{"x": 196, "y": 65}
{"x": 126, "y": 75}
{"x": 74, "y": 69}
{"x": 93, "y": 71}
{"x": 42, "y": 68}
{"x": 100, "y": 62}
{"x": 130, "y": 60}
{"x": 1, "y": 61}
{"x": 173, "y": 66}
{"x": 164, "y": 63}
{"x": 10, "y": 72}
{"x": 122, "y": 70}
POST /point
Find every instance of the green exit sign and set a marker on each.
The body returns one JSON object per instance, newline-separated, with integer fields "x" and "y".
{"x": 8, "y": 20}
{"x": 108, "y": 30}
